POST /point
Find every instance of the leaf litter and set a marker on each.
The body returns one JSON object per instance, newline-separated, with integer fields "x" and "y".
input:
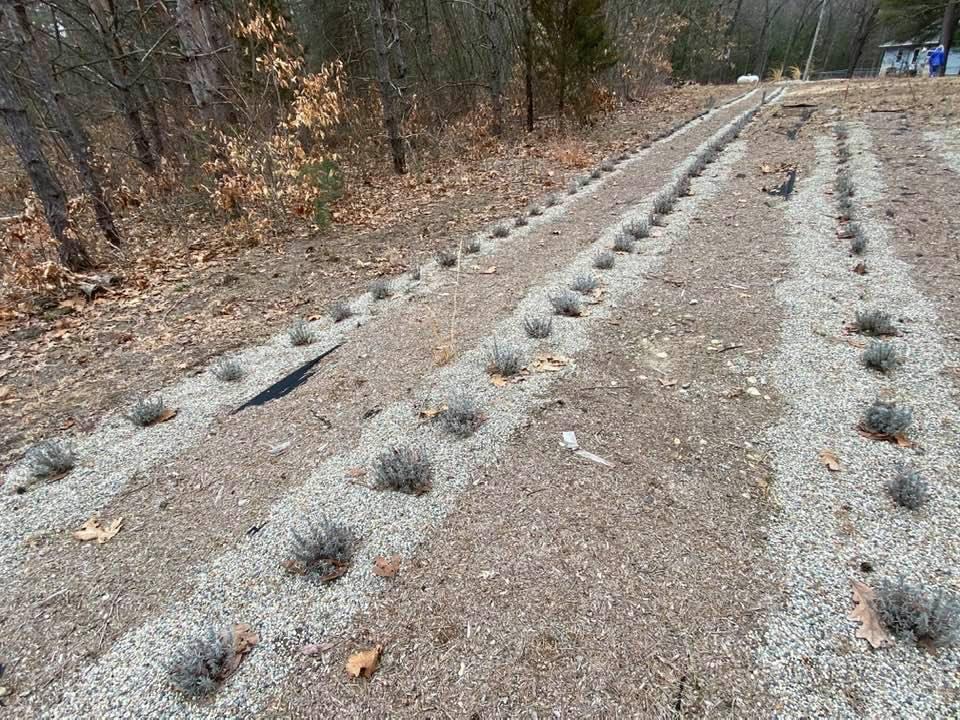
{"x": 364, "y": 663}
{"x": 871, "y": 629}
{"x": 93, "y": 530}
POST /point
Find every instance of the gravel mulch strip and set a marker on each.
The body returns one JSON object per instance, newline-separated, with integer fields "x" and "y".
{"x": 841, "y": 526}
{"x": 246, "y": 585}
{"x": 562, "y": 588}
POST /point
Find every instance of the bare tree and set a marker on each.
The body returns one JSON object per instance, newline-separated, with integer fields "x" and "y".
{"x": 528, "y": 61}
{"x": 26, "y": 142}
{"x": 125, "y": 83}
{"x": 63, "y": 115}
{"x": 495, "y": 41}
{"x": 201, "y": 41}
{"x": 865, "y": 13}
{"x": 383, "y": 19}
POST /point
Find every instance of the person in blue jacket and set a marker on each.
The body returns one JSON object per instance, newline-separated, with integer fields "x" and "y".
{"x": 935, "y": 58}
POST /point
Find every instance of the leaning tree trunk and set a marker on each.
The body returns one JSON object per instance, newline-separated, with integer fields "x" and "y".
{"x": 946, "y": 33}
{"x": 26, "y": 142}
{"x": 390, "y": 91}
{"x": 495, "y": 41}
{"x": 201, "y": 38}
{"x": 63, "y": 115}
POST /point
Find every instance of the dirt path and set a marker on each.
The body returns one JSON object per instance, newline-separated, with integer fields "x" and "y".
{"x": 562, "y": 588}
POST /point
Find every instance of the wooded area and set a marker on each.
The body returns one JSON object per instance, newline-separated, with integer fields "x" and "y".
{"x": 254, "y": 109}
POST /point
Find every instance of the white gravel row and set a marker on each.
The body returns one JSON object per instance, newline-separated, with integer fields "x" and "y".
{"x": 246, "y": 585}
{"x": 830, "y": 523}
{"x": 116, "y": 451}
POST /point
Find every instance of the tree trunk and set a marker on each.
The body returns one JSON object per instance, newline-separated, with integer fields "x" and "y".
{"x": 201, "y": 38}
{"x": 390, "y": 91}
{"x": 124, "y": 84}
{"x": 26, "y": 142}
{"x": 867, "y": 18}
{"x": 528, "y": 63}
{"x": 946, "y": 33}
{"x": 813, "y": 43}
{"x": 63, "y": 115}
{"x": 495, "y": 40}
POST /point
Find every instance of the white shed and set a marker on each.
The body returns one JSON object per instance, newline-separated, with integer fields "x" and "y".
{"x": 910, "y": 57}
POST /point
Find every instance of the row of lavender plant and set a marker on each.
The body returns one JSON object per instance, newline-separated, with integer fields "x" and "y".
{"x": 325, "y": 550}
{"x": 931, "y": 618}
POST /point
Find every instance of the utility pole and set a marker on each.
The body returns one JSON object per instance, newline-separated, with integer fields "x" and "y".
{"x": 813, "y": 45}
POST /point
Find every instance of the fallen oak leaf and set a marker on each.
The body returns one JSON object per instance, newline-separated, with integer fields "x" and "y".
{"x": 356, "y": 472}
{"x": 502, "y": 380}
{"x": 430, "y": 413}
{"x": 871, "y": 629}
{"x": 549, "y": 363}
{"x": 489, "y": 271}
{"x": 831, "y": 461}
{"x": 364, "y": 663}
{"x": 244, "y": 640}
{"x": 93, "y": 530}
{"x": 386, "y": 567}
{"x": 167, "y": 414}
{"x": 900, "y": 440}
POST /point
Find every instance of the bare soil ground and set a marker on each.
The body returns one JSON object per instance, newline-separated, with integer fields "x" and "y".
{"x": 563, "y": 588}
{"x": 556, "y": 586}
{"x": 61, "y": 368}
{"x": 212, "y": 496}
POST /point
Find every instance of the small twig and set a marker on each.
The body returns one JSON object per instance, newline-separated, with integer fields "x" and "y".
{"x": 728, "y": 347}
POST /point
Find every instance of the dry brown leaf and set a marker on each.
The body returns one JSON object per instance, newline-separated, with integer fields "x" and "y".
{"x": 442, "y": 355}
{"x": 244, "y": 639}
{"x": 666, "y": 383}
{"x": 550, "y": 363}
{"x": 93, "y": 530}
{"x": 386, "y": 567}
{"x": 356, "y": 472}
{"x": 831, "y": 461}
{"x": 871, "y": 629}
{"x": 860, "y": 268}
{"x": 6, "y": 391}
{"x": 900, "y": 440}
{"x": 364, "y": 663}
{"x": 430, "y": 413}
{"x": 167, "y": 414}
{"x": 489, "y": 271}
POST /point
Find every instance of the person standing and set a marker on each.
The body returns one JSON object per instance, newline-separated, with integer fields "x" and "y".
{"x": 935, "y": 58}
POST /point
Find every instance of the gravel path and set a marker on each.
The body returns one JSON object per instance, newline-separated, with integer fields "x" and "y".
{"x": 840, "y": 526}
{"x": 115, "y": 452}
{"x": 246, "y": 586}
